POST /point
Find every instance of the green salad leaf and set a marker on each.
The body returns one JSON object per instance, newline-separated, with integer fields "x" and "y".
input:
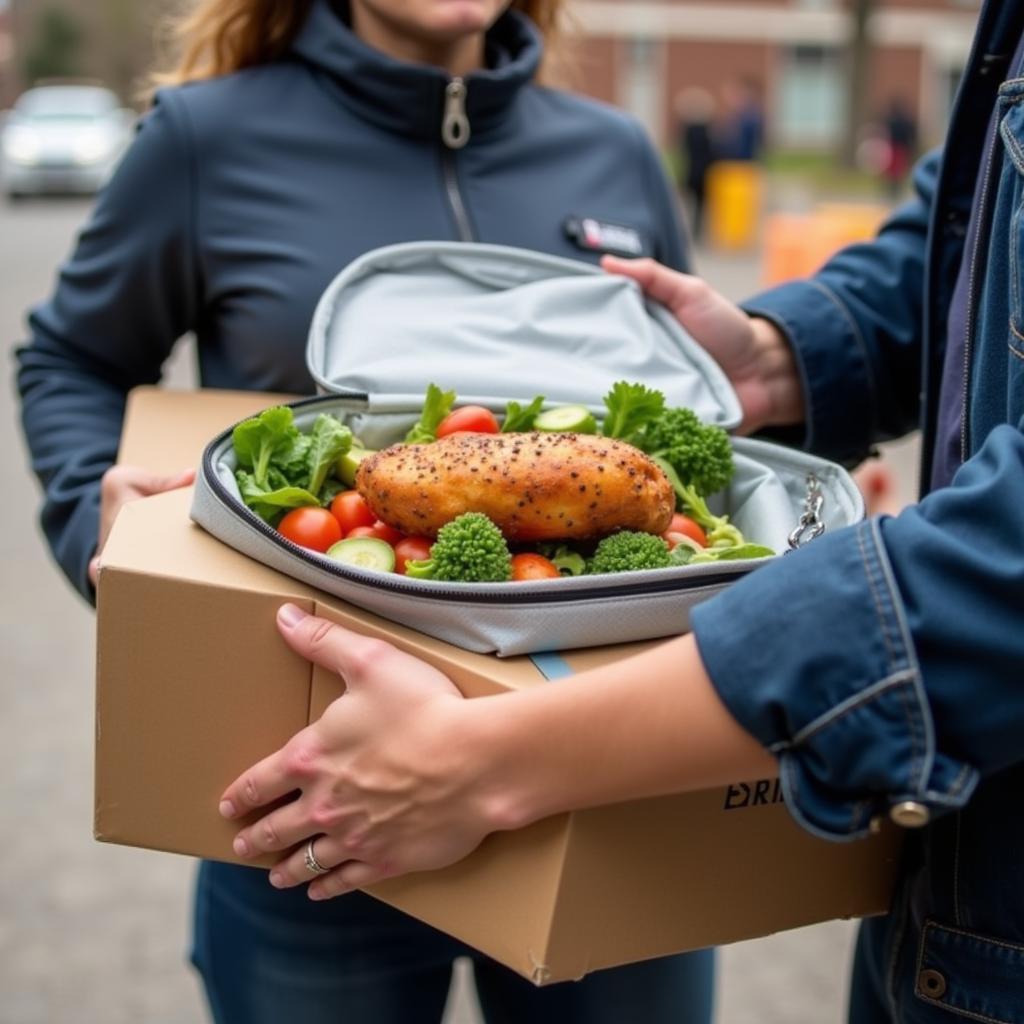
{"x": 436, "y": 406}
{"x": 684, "y": 554}
{"x": 518, "y": 419}
{"x": 270, "y": 504}
{"x": 260, "y": 439}
{"x": 328, "y": 439}
{"x": 630, "y": 408}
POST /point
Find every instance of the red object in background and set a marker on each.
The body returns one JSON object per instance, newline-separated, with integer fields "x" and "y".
{"x": 877, "y": 484}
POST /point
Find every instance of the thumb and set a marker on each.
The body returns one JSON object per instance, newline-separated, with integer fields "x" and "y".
{"x": 150, "y": 485}
{"x": 327, "y": 644}
{"x": 359, "y": 659}
{"x": 669, "y": 287}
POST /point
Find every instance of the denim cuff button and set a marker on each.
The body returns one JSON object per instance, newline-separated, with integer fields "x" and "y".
{"x": 909, "y": 814}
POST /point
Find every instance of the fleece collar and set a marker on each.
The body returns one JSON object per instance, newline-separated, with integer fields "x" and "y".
{"x": 409, "y": 98}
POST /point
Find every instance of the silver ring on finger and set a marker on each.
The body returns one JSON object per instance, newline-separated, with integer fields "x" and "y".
{"x": 312, "y": 864}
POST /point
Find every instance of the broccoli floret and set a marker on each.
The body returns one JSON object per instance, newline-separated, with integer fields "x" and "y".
{"x": 627, "y": 551}
{"x": 469, "y": 549}
{"x": 699, "y": 452}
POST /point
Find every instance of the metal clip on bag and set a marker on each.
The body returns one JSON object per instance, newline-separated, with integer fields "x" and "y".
{"x": 497, "y": 323}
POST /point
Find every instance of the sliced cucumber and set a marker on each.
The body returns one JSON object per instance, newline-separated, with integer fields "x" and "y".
{"x": 348, "y": 463}
{"x": 564, "y": 418}
{"x": 365, "y": 552}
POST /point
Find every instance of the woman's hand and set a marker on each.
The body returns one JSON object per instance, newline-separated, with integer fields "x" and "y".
{"x": 122, "y": 484}
{"x": 755, "y": 356}
{"x": 387, "y": 778}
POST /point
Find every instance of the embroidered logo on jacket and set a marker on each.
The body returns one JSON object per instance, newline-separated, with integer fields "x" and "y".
{"x": 601, "y": 236}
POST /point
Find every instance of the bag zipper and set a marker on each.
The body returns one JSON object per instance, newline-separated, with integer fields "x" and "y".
{"x": 425, "y": 589}
{"x": 455, "y": 134}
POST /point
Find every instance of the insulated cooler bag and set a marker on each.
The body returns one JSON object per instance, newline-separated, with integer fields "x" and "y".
{"x": 496, "y": 323}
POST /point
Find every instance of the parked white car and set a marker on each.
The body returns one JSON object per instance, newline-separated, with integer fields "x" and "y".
{"x": 62, "y": 138}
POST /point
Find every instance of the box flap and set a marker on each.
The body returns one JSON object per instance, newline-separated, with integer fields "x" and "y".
{"x": 718, "y": 866}
{"x": 155, "y": 537}
{"x": 166, "y": 431}
{"x": 495, "y": 322}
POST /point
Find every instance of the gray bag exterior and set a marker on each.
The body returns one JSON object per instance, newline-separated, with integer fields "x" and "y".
{"x": 460, "y": 309}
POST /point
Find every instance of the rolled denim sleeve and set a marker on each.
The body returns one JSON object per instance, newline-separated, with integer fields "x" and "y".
{"x": 883, "y": 662}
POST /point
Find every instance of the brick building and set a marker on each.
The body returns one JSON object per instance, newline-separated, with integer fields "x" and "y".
{"x": 639, "y": 54}
{"x": 8, "y": 85}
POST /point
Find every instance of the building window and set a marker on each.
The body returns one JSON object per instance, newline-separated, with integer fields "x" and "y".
{"x": 810, "y": 100}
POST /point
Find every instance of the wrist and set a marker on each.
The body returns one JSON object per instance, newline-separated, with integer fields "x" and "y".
{"x": 779, "y": 372}
{"x": 508, "y": 773}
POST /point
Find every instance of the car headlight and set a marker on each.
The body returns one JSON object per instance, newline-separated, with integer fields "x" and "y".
{"x": 90, "y": 149}
{"x": 21, "y": 146}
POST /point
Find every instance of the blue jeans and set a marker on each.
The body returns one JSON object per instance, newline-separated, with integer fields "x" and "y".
{"x": 868, "y": 1001}
{"x": 267, "y": 956}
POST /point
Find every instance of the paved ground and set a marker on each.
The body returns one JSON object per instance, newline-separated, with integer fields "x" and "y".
{"x": 96, "y": 934}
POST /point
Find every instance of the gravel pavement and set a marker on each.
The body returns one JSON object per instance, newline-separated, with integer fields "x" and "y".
{"x": 97, "y": 934}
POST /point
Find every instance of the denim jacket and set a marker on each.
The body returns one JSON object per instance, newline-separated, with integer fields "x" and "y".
{"x": 884, "y": 664}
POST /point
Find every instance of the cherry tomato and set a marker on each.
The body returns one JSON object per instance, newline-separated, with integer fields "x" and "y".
{"x": 529, "y": 566}
{"x": 411, "y": 549}
{"x": 686, "y": 526}
{"x": 312, "y": 528}
{"x": 472, "y": 418}
{"x": 379, "y": 530}
{"x": 351, "y": 510}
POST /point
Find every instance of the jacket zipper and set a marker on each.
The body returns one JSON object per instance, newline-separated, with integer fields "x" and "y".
{"x": 426, "y": 590}
{"x": 972, "y": 286}
{"x": 455, "y": 134}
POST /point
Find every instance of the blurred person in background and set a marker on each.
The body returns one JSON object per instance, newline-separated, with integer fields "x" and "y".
{"x": 290, "y": 139}
{"x": 741, "y": 130}
{"x": 695, "y": 113}
{"x": 901, "y": 140}
{"x": 878, "y": 670}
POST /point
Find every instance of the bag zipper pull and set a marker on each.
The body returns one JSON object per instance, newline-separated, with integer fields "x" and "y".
{"x": 811, "y": 525}
{"x": 455, "y": 126}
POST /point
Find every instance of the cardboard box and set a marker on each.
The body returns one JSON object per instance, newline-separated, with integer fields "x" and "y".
{"x": 194, "y": 684}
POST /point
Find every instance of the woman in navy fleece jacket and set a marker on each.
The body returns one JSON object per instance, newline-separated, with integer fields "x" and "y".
{"x": 294, "y": 138}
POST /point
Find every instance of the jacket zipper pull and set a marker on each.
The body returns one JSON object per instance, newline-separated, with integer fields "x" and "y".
{"x": 455, "y": 126}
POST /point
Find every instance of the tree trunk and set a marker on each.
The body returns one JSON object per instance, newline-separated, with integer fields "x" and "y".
{"x": 858, "y": 70}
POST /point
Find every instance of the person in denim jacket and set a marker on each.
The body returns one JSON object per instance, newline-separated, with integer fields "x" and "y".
{"x": 879, "y": 670}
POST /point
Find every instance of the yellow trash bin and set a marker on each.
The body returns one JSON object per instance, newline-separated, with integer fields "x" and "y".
{"x": 734, "y": 203}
